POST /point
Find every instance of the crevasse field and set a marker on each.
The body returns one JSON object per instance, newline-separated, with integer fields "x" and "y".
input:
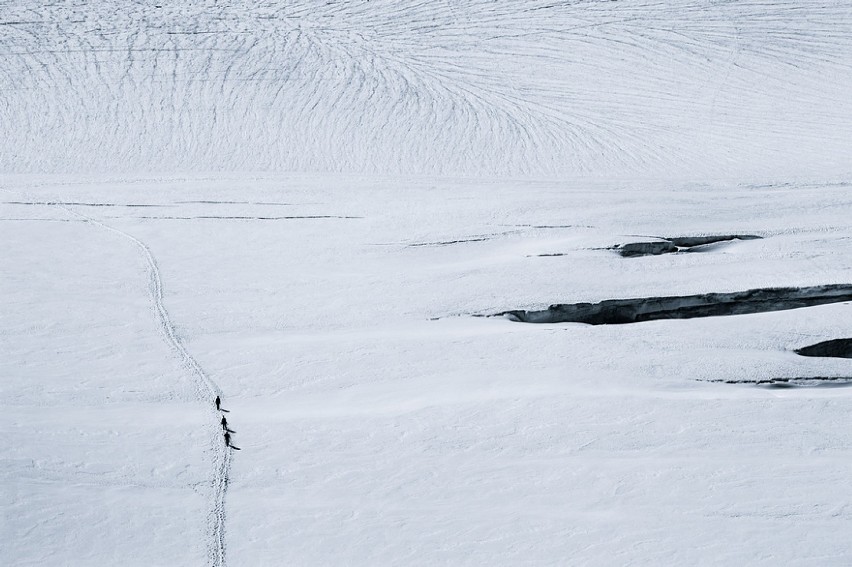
{"x": 311, "y": 208}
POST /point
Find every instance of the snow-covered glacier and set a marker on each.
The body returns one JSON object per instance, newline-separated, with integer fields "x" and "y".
{"x": 308, "y": 282}
{"x": 515, "y": 87}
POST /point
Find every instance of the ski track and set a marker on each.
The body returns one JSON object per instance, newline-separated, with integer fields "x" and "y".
{"x": 515, "y": 87}
{"x": 206, "y": 388}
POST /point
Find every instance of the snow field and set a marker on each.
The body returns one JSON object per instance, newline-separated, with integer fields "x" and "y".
{"x": 381, "y": 423}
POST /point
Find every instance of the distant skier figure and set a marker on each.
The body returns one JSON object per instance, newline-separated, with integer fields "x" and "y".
{"x": 219, "y": 405}
{"x": 225, "y": 427}
{"x": 228, "y": 441}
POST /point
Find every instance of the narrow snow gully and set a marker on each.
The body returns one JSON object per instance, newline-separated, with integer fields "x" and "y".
{"x": 622, "y": 311}
{"x": 207, "y": 390}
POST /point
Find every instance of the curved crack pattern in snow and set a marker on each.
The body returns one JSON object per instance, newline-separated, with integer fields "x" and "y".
{"x": 509, "y": 88}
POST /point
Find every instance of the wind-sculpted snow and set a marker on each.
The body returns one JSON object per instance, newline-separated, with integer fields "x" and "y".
{"x": 397, "y": 86}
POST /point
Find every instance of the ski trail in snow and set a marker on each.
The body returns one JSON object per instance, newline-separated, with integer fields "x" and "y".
{"x": 205, "y": 386}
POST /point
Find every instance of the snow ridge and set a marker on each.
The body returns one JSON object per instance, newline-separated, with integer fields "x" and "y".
{"x": 206, "y": 389}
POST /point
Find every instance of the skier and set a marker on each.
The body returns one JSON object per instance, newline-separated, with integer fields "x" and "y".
{"x": 225, "y": 427}
{"x": 218, "y": 402}
{"x": 228, "y": 441}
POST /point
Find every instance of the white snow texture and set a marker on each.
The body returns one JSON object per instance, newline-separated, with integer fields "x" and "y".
{"x": 515, "y": 87}
{"x": 305, "y": 207}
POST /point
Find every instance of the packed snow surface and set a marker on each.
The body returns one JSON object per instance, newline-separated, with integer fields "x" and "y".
{"x": 515, "y": 87}
{"x": 380, "y": 423}
{"x": 308, "y": 207}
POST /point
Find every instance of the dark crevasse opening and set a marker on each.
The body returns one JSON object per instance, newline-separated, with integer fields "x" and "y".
{"x": 836, "y": 348}
{"x": 667, "y": 245}
{"x": 795, "y": 382}
{"x": 636, "y": 310}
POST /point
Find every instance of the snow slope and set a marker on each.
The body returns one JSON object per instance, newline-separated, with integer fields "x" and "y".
{"x": 411, "y": 167}
{"x": 516, "y": 87}
{"x": 380, "y": 423}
